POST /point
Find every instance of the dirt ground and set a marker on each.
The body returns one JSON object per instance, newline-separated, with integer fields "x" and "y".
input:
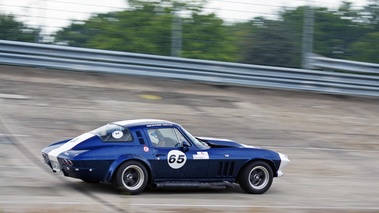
{"x": 332, "y": 142}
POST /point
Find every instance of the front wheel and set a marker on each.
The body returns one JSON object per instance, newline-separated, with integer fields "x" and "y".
{"x": 131, "y": 177}
{"x": 256, "y": 178}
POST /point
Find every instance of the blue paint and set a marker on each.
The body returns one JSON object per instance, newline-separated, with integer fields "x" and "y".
{"x": 196, "y": 159}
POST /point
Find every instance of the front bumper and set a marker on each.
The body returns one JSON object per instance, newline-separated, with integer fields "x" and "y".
{"x": 284, "y": 161}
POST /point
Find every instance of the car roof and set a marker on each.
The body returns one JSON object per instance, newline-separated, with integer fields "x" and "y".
{"x": 142, "y": 122}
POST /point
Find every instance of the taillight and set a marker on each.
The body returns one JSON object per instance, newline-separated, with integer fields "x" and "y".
{"x": 67, "y": 162}
{"x": 45, "y": 157}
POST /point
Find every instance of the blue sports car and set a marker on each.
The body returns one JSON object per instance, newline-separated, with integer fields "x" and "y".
{"x": 135, "y": 154}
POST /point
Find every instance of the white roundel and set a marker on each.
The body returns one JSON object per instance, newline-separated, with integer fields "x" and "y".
{"x": 117, "y": 134}
{"x": 176, "y": 159}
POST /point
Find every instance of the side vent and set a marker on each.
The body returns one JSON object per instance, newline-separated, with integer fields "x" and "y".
{"x": 225, "y": 168}
{"x": 140, "y": 138}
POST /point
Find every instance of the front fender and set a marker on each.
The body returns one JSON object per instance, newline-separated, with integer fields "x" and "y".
{"x": 120, "y": 160}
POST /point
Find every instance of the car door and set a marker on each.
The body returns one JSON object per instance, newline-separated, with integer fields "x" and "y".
{"x": 172, "y": 159}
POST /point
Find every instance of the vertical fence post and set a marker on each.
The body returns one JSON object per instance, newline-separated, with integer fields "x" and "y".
{"x": 176, "y": 33}
{"x": 307, "y": 43}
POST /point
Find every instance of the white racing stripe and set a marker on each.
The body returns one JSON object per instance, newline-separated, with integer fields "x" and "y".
{"x": 53, "y": 154}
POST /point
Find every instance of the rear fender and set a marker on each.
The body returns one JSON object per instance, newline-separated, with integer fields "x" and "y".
{"x": 54, "y": 146}
{"x": 123, "y": 158}
{"x": 60, "y": 142}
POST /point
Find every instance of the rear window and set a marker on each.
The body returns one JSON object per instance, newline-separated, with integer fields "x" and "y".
{"x": 113, "y": 133}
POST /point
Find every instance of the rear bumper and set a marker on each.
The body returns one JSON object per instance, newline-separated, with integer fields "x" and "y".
{"x": 46, "y": 160}
{"x": 85, "y": 170}
{"x": 80, "y": 173}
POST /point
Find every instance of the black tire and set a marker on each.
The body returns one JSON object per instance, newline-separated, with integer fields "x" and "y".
{"x": 256, "y": 178}
{"x": 131, "y": 177}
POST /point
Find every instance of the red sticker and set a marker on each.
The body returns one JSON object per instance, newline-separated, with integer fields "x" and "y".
{"x": 145, "y": 148}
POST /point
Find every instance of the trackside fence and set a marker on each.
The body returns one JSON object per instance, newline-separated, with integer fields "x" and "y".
{"x": 362, "y": 79}
{"x": 318, "y": 61}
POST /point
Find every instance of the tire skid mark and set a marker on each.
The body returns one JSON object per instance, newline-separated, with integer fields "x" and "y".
{"x": 28, "y": 154}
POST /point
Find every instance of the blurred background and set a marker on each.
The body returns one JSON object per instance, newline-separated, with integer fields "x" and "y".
{"x": 331, "y": 138}
{"x": 264, "y": 32}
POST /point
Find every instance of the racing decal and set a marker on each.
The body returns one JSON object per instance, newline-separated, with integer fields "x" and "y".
{"x": 201, "y": 155}
{"x": 117, "y": 134}
{"x": 158, "y": 125}
{"x": 176, "y": 159}
{"x": 145, "y": 149}
{"x": 53, "y": 154}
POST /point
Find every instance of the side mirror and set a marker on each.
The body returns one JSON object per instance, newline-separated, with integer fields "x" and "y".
{"x": 185, "y": 146}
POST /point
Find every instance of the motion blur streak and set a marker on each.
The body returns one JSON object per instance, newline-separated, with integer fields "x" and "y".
{"x": 331, "y": 141}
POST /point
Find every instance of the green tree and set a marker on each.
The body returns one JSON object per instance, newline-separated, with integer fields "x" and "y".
{"x": 367, "y": 47}
{"x": 10, "y": 29}
{"x": 271, "y": 42}
{"x": 147, "y": 28}
{"x": 278, "y": 42}
{"x": 370, "y": 14}
{"x": 206, "y": 37}
{"x": 143, "y": 30}
{"x": 273, "y": 45}
{"x": 189, "y": 5}
{"x": 335, "y": 31}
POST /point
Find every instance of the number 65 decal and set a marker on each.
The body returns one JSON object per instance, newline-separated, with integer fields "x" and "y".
{"x": 176, "y": 159}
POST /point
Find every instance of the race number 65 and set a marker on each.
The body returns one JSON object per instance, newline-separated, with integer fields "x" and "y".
{"x": 176, "y": 159}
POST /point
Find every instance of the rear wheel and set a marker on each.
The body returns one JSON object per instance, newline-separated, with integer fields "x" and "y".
{"x": 131, "y": 177}
{"x": 256, "y": 178}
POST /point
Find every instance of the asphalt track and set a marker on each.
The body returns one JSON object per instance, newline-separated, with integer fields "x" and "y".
{"x": 332, "y": 142}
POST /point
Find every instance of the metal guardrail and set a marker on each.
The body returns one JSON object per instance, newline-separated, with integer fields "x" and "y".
{"x": 92, "y": 60}
{"x": 318, "y": 61}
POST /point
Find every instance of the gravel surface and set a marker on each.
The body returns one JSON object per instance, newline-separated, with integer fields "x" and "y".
{"x": 332, "y": 142}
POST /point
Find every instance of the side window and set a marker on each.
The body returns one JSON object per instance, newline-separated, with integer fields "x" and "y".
{"x": 154, "y": 138}
{"x": 113, "y": 133}
{"x": 119, "y": 135}
{"x": 165, "y": 137}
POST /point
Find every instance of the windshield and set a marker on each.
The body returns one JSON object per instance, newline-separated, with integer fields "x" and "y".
{"x": 113, "y": 133}
{"x": 197, "y": 143}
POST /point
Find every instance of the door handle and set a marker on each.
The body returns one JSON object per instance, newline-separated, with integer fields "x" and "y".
{"x": 160, "y": 155}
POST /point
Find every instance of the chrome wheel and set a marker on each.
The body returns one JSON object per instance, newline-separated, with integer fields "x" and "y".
{"x": 258, "y": 177}
{"x": 132, "y": 177}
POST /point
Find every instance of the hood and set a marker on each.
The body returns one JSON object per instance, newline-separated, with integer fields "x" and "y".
{"x": 219, "y": 142}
